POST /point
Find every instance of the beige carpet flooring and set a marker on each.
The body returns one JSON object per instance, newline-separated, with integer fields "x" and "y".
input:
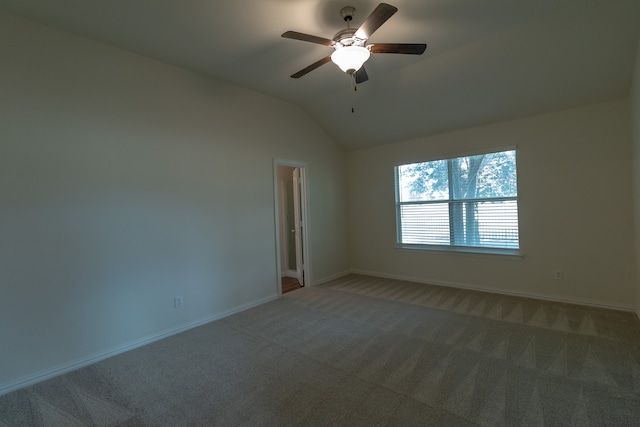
{"x": 362, "y": 351}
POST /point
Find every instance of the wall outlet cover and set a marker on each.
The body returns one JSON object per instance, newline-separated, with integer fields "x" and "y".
{"x": 178, "y": 301}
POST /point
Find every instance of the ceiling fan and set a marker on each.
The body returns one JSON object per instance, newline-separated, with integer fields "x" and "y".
{"x": 350, "y": 45}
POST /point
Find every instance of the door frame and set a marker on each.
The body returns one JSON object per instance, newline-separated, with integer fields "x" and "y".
{"x": 299, "y": 224}
{"x": 304, "y": 202}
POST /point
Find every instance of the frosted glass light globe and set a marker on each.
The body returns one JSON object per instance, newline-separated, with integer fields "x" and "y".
{"x": 350, "y": 58}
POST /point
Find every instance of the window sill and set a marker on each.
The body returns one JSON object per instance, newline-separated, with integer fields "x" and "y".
{"x": 464, "y": 250}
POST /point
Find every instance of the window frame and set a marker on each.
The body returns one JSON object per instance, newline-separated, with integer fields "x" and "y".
{"x": 469, "y": 250}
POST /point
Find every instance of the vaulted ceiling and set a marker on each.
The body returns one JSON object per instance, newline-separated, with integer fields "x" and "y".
{"x": 486, "y": 60}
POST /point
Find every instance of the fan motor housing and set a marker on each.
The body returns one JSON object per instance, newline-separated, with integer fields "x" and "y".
{"x": 345, "y": 38}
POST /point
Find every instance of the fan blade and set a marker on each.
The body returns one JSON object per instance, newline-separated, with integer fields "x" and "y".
{"x": 378, "y": 17}
{"x": 361, "y": 75}
{"x": 406, "y": 48}
{"x": 307, "y": 38}
{"x": 311, "y": 67}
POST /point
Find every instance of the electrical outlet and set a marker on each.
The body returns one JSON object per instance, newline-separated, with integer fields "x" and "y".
{"x": 178, "y": 301}
{"x": 557, "y": 274}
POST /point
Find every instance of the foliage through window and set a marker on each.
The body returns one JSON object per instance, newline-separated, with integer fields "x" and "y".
{"x": 469, "y": 201}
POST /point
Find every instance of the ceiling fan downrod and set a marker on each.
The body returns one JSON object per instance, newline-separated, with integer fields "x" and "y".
{"x": 347, "y": 13}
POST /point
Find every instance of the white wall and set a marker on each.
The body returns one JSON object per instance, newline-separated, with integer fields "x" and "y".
{"x": 575, "y": 208}
{"x": 635, "y": 134}
{"x": 124, "y": 182}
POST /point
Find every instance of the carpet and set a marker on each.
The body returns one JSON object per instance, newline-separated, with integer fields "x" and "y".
{"x": 363, "y": 351}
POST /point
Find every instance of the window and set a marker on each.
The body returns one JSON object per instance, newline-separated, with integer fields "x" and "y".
{"x": 463, "y": 202}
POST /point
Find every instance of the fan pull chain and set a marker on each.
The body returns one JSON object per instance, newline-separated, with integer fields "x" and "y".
{"x": 355, "y": 89}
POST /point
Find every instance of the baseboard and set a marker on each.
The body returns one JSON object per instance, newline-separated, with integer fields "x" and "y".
{"x": 474, "y": 287}
{"x": 86, "y": 361}
{"x": 290, "y": 273}
{"x": 329, "y": 278}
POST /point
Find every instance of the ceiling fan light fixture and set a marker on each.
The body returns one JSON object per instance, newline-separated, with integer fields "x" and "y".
{"x": 350, "y": 58}
{"x": 350, "y": 44}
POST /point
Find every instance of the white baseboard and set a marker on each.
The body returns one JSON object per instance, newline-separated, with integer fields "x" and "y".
{"x": 480, "y": 288}
{"x": 329, "y": 278}
{"x": 290, "y": 273}
{"x": 89, "y": 360}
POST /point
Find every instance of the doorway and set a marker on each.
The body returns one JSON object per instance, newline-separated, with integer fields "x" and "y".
{"x": 291, "y": 225}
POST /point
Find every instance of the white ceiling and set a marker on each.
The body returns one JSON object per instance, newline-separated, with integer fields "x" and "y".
{"x": 486, "y": 60}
